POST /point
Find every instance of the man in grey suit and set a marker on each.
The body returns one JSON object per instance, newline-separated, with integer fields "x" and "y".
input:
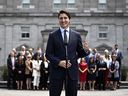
{"x": 58, "y": 51}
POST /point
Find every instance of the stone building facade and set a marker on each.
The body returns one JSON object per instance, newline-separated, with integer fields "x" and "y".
{"x": 28, "y": 22}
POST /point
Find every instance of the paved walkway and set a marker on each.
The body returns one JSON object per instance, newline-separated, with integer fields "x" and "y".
{"x": 119, "y": 92}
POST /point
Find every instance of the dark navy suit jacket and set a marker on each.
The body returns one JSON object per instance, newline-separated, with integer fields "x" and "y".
{"x": 11, "y": 72}
{"x": 55, "y": 52}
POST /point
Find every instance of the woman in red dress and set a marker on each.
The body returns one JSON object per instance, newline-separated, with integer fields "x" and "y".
{"x": 82, "y": 73}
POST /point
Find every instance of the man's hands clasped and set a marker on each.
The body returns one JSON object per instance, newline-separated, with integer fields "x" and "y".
{"x": 63, "y": 64}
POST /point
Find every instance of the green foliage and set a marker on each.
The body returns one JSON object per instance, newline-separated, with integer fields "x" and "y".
{"x": 4, "y": 70}
{"x": 124, "y": 71}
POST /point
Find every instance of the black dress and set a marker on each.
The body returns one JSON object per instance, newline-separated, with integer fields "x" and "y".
{"x": 20, "y": 71}
{"x": 91, "y": 75}
{"x": 112, "y": 67}
{"x": 44, "y": 76}
{"x": 101, "y": 75}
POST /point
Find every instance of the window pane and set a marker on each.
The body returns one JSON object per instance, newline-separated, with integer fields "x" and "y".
{"x": 102, "y": 1}
{"x": 57, "y": 5}
{"x": 26, "y": 5}
{"x": 105, "y": 35}
{"x": 57, "y": 1}
{"x": 103, "y": 28}
{"x": 71, "y": 5}
{"x": 74, "y": 28}
{"x": 54, "y": 28}
{"x": 25, "y": 32}
{"x": 102, "y": 6}
{"x": 71, "y": 1}
{"x": 25, "y": 29}
{"x": 102, "y": 35}
{"x": 27, "y": 35}
{"x": 23, "y": 35}
{"x": 25, "y": 1}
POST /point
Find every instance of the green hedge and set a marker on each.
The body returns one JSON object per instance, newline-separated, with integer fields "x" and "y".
{"x": 4, "y": 70}
{"x": 124, "y": 71}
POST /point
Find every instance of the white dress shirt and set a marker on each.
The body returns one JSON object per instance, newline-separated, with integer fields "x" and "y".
{"x": 67, "y": 32}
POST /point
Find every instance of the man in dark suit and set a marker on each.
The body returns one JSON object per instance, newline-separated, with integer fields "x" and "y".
{"x": 60, "y": 69}
{"x": 11, "y": 82}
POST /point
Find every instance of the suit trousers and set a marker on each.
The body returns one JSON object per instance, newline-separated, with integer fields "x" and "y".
{"x": 56, "y": 87}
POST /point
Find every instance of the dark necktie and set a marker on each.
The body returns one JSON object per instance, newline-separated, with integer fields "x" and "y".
{"x": 65, "y": 37}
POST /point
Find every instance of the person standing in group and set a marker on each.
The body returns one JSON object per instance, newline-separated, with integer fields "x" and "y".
{"x": 20, "y": 72}
{"x": 36, "y": 72}
{"x": 11, "y": 61}
{"x": 107, "y": 59}
{"x": 61, "y": 43}
{"x": 119, "y": 58}
{"x": 28, "y": 71}
{"x": 114, "y": 72}
{"x": 82, "y": 73}
{"x": 92, "y": 67}
{"x": 44, "y": 73}
{"x": 101, "y": 68}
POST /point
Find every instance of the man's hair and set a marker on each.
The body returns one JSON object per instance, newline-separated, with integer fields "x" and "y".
{"x": 64, "y": 12}
{"x": 116, "y": 44}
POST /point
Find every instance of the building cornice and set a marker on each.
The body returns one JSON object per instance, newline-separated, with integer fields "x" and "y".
{"x": 88, "y": 14}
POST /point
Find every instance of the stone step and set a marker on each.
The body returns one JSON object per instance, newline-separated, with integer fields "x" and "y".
{"x": 123, "y": 85}
{"x": 3, "y": 84}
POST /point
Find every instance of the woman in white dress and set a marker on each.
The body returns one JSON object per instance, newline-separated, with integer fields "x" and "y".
{"x": 36, "y": 72}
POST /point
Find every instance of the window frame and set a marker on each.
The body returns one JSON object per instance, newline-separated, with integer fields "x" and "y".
{"x": 71, "y": 4}
{"x": 26, "y": 33}
{"x": 102, "y": 1}
{"x": 102, "y": 31}
{"x": 26, "y": 4}
{"x": 56, "y": 4}
{"x": 102, "y": 35}
{"x": 102, "y": 4}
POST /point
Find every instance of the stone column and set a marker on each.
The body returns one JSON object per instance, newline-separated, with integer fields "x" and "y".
{"x": 8, "y": 40}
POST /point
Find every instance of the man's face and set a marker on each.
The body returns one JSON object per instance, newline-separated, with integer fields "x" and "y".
{"x": 64, "y": 20}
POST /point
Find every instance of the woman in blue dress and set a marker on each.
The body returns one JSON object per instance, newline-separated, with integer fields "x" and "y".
{"x": 91, "y": 72}
{"x": 114, "y": 72}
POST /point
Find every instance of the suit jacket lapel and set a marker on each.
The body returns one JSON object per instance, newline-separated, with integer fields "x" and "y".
{"x": 70, "y": 37}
